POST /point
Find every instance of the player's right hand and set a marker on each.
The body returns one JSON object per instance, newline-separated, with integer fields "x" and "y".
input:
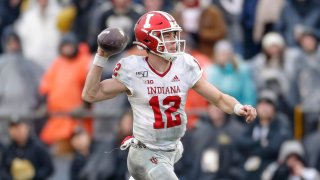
{"x": 103, "y": 53}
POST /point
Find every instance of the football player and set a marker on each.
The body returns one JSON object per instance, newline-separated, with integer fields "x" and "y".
{"x": 156, "y": 86}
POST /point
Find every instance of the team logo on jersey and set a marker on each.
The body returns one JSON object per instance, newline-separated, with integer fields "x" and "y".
{"x": 175, "y": 79}
{"x": 142, "y": 74}
{"x": 154, "y": 160}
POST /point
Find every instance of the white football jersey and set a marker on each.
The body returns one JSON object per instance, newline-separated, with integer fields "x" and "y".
{"x": 158, "y": 100}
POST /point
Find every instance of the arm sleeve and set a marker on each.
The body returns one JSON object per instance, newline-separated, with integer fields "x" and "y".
{"x": 123, "y": 73}
{"x": 194, "y": 71}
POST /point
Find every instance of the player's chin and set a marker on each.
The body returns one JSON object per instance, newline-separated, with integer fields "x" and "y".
{"x": 172, "y": 50}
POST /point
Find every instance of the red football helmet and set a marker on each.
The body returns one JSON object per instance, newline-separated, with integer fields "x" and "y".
{"x": 149, "y": 31}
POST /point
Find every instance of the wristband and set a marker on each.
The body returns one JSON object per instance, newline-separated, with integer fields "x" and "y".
{"x": 237, "y": 109}
{"x": 100, "y": 61}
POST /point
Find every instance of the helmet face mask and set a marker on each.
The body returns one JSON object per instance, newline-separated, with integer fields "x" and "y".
{"x": 150, "y": 30}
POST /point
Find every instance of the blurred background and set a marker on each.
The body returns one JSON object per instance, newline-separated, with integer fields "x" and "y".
{"x": 263, "y": 52}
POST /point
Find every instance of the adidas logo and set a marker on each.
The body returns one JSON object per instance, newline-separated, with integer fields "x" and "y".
{"x": 175, "y": 79}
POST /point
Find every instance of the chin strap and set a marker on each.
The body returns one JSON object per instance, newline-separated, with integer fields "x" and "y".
{"x": 166, "y": 56}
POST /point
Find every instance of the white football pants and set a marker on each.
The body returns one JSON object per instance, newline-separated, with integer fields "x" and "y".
{"x": 146, "y": 164}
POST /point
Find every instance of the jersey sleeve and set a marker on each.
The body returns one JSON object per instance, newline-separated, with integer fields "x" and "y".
{"x": 123, "y": 73}
{"x": 194, "y": 71}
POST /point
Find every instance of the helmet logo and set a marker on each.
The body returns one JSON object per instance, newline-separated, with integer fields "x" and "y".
{"x": 147, "y": 23}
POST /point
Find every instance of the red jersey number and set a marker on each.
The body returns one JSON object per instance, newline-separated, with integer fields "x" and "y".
{"x": 159, "y": 124}
{"x": 116, "y": 69}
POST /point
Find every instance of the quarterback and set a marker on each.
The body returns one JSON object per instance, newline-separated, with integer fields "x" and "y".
{"x": 156, "y": 86}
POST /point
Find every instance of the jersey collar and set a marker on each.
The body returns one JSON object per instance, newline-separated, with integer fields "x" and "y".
{"x": 155, "y": 71}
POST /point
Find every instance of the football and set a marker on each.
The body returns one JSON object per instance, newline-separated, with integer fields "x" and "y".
{"x": 112, "y": 40}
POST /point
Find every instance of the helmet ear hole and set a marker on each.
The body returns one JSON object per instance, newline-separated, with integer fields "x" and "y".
{"x": 147, "y": 41}
{"x": 156, "y": 34}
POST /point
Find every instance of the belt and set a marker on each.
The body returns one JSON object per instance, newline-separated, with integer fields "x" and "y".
{"x": 142, "y": 145}
{"x": 139, "y": 145}
{"x": 131, "y": 141}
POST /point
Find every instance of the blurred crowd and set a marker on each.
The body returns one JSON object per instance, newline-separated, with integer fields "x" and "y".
{"x": 263, "y": 52}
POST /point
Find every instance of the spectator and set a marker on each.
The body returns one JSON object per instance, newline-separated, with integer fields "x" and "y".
{"x": 261, "y": 141}
{"x": 292, "y": 164}
{"x": 100, "y": 7}
{"x": 84, "y": 13}
{"x": 232, "y": 11}
{"x": 248, "y": 18}
{"x": 296, "y": 14}
{"x": 187, "y": 13}
{"x": 167, "y": 5}
{"x": 231, "y": 75}
{"x": 318, "y": 162}
{"x": 151, "y": 5}
{"x": 84, "y": 147}
{"x": 212, "y": 28}
{"x": 306, "y": 80}
{"x": 308, "y": 42}
{"x": 122, "y": 15}
{"x": 99, "y": 159}
{"x": 19, "y": 79}
{"x": 298, "y": 169}
{"x": 274, "y": 68}
{"x": 9, "y": 13}
{"x": 214, "y": 156}
{"x": 267, "y": 15}
{"x": 62, "y": 84}
{"x": 66, "y": 18}
{"x": 26, "y": 157}
{"x": 39, "y": 34}
{"x": 1, "y": 156}
{"x": 258, "y": 18}
{"x": 312, "y": 148}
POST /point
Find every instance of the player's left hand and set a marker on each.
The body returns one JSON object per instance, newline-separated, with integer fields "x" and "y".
{"x": 248, "y": 112}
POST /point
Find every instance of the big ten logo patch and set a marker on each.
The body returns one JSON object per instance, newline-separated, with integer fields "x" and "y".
{"x": 149, "y": 81}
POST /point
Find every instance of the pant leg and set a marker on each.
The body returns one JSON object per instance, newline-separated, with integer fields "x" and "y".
{"x": 146, "y": 164}
{"x": 162, "y": 171}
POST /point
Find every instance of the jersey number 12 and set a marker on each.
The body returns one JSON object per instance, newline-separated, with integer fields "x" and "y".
{"x": 154, "y": 103}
